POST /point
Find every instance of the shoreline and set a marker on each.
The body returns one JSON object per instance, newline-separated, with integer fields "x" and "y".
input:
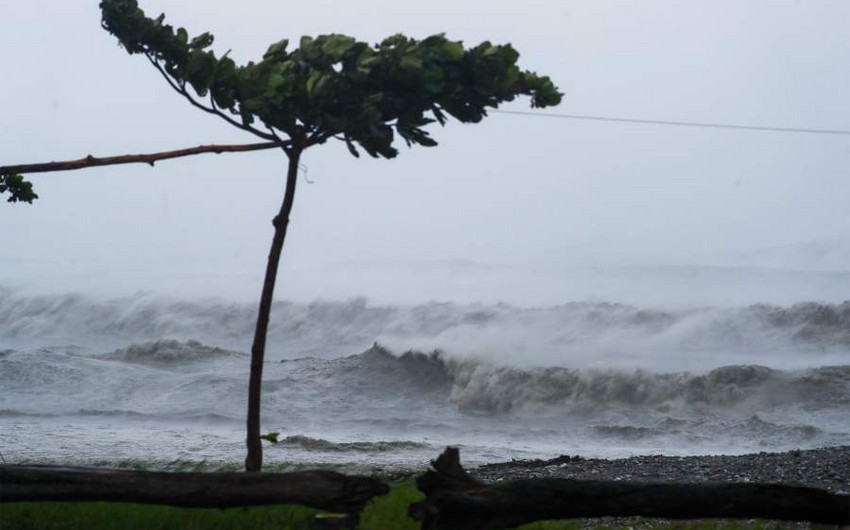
{"x": 824, "y": 468}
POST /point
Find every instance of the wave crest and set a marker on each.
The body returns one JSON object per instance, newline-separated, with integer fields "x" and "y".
{"x": 482, "y": 388}
{"x": 166, "y": 351}
{"x": 319, "y": 445}
{"x": 556, "y": 335}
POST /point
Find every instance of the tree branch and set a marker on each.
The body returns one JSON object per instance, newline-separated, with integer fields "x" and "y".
{"x": 319, "y": 138}
{"x": 284, "y": 145}
{"x": 151, "y": 158}
{"x": 215, "y": 112}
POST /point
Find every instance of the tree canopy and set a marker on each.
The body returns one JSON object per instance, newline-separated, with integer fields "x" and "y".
{"x": 334, "y": 86}
{"x": 330, "y": 86}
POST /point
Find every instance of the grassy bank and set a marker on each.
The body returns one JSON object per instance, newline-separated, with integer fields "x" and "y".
{"x": 384, "y": 513}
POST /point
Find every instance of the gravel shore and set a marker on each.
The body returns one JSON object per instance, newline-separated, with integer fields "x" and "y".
{"x": 827, "y": 468}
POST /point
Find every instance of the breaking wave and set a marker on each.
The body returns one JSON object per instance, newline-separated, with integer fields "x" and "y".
{"x": 493, "y": 389}
{"x": 155, "y": 375}
{"x": 204, "y": 374}
{"x": 167, "y": 351}
{"x": 319, "y": 445}
{"x": 573, "y": 334}
{"x": 395, "y": 405}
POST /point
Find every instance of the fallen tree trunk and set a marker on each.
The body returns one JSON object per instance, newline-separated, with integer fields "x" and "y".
{"x": 325, "y": 490}
{"x": 456, "y": 501}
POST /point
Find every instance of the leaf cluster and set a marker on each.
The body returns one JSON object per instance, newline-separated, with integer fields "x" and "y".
{"x": 18, "y": 188}
{"x": 271, "y": 437}
{"x": 334, "y": 86}
{"x": 187, "y": 61}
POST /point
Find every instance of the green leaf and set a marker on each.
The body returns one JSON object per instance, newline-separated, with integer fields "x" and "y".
{"x": 336, "y": 46}
{"x": 276, "y": 81}
{"x": 312, "y": 82}
{"x": 453, "y": 50}
{"x": 439, "y": 114}
{"x": 492, "y": 50}
{"x": 270, "y": 437}
{"x": 412, "y": 62}
{"x": 246, "y": 115}
{"x": 204, "y": 40}
{"x": 351, "y": 149}
{"x": 306, "y": 44}
{"x": 277, "y": 50}
{"x": 426, "y": 141}
{"x": 200, "y": 71}
{"x": 395, "y": 40}
{"x": 18, "y": 188}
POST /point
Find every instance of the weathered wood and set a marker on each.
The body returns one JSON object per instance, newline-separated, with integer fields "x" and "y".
{"x": 456, "y": 501}
{"x": 325, "y": 490}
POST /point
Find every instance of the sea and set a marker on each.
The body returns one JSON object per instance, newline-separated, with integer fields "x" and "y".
{"x": 354, "y": 382}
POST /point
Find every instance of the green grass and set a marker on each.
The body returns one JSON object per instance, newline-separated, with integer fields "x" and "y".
{"x": 119, "y": 516}
{"x": 384, "y": 513}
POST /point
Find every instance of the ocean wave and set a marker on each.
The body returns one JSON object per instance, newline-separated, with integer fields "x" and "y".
{"x": 483, "y": 387}
{"x": 166, "y": 351}
{"x": 341, "y": 405}
{"x": 751, "y": 428}
{"x": 114, "y": 413}
{"x": 626, "y": 432}
{"x": 756, "y": 426}
{"x": 307, "y": 443}
{"x": 205, "y": 380}
{"x": 571, "y": 333}
{"x": 179, "y": 417}
{"x": 14, "y": 413}
{"x": 496, "y": 389}
{"x": 501, "y": 389}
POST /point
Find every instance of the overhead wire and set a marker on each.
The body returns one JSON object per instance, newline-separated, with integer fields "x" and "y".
{"x": 675, "y": 123}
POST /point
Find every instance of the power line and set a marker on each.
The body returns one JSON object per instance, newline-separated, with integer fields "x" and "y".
{"x": 675, "y": 123}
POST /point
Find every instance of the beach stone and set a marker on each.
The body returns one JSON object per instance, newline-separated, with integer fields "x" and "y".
{"x": 825, "y": 468}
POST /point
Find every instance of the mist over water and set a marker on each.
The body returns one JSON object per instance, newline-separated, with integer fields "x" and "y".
{"x": 388, "y": 385}
{"x": 726, "y": 281}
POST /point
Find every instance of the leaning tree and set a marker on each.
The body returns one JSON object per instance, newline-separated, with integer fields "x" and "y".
{"x": 331, "y": 87}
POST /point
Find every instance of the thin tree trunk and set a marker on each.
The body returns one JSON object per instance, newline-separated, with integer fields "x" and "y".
{"x": 254, "y": 459}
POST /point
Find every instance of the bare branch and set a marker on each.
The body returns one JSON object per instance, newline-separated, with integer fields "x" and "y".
{"x": 318, "y": 138}
{"x": 181, "y": 89}
{"x": 284, "y": 145}
{"x": 91, "y": 161}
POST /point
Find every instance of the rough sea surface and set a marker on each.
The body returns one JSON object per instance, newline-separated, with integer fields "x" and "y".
{"x": 87, "y": 380}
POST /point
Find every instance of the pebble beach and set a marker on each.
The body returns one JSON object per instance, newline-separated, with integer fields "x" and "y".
{"x": 827, "y": 468}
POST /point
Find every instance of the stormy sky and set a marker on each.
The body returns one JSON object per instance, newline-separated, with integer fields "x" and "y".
{"x": 517, "y": 208}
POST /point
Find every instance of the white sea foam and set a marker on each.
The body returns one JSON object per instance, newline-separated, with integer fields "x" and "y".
{"x": 154, "y": 376}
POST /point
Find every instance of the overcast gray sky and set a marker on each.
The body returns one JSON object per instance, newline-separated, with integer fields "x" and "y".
{"x": 514, "y": 193}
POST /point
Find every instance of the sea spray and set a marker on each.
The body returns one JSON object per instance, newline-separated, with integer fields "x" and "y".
{"x": 576, "y": 334}
{"x": 86, "y": 380}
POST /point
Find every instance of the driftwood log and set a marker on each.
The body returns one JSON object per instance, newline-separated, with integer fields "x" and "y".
{"x": 325, "y": 490}
{"x": 456, "y": 501}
